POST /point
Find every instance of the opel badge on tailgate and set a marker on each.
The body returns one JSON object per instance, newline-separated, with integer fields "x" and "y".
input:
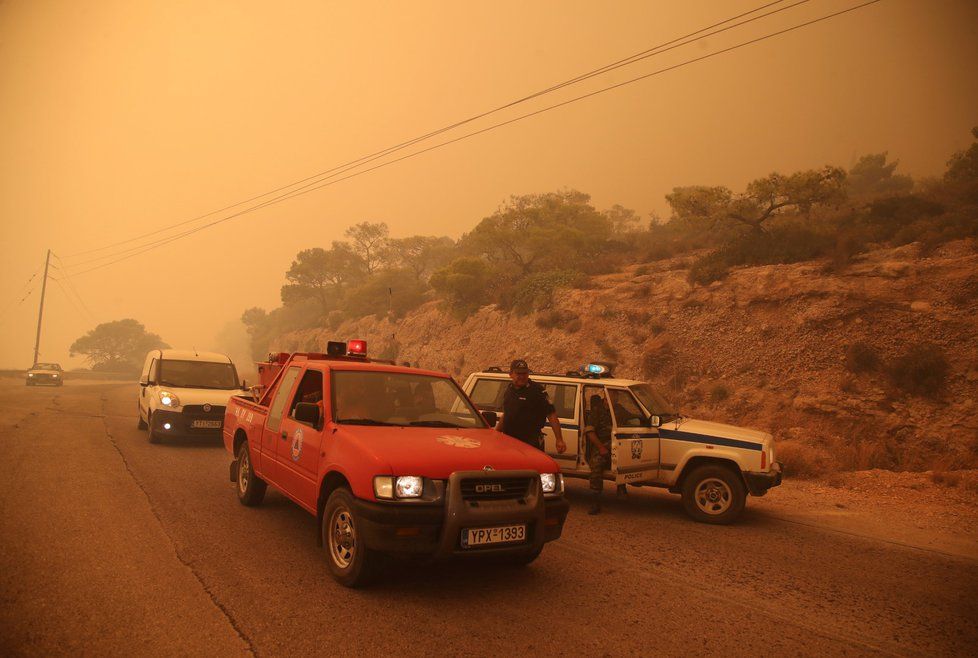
{"x": 207, "y": 408}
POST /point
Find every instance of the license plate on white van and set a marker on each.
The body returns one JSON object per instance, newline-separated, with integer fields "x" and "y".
{"x": 505, "y": 534}
{"x": 201, "y": 424}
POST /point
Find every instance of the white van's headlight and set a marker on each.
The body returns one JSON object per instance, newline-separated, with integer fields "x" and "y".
{"x": 168, "y": 399}
{"x": 552, "y": 482}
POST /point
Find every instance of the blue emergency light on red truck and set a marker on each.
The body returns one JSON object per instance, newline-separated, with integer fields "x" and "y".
{"x": 391, "y": 460}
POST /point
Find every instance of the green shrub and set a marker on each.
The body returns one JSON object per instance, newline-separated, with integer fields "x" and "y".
{"x": 862, "y": 357}
{"x": 463, "y": 284}
{"x": 802, "y": 460}
{"x": 901, "y": 210}
{"x": 536, "y": 291}
{"x": 719, "y": 393}
{"x": 922, "y": 370}
{"x": 708, "y": 269}
{"x": 655, "y": 360}
{"x": 789, "y": 242}
{"x": 608, "y": 350}
{"x": 555, "y": 319}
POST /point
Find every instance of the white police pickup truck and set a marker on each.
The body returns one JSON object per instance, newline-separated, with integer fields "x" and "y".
{"x": 712, "y": 465}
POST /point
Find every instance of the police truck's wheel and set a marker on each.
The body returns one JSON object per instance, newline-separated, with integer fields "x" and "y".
{"x": 153, "y": 436}
{"x": 714, "y": 494}
{"x": 350, "y": 561}
{"x": 251, "y": 488}
{"x": 140, "y": 424}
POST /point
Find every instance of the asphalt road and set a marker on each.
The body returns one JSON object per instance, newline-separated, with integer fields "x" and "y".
{"x": 110, "y": 545}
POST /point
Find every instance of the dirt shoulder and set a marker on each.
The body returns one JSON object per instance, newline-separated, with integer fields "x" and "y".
{"x": 936, "y": 512}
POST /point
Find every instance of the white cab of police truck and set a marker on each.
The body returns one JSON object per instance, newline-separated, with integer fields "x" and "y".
{"x": 712, "y": 465}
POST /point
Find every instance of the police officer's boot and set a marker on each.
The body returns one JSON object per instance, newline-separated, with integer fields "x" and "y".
{"x": 595, "y": 503}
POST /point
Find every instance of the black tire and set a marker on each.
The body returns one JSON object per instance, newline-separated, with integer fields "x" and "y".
{"x": 140, "y": 424}
{"x": 251, "y": 488}
{"x": 28, "y": 383}
{"x": 714, "y": 494}
{"x": 350, "y": 562}
{"x": 153, "y": 436}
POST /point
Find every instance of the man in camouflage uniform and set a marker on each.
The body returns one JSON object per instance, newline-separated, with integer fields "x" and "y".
{"x": 597, "y": 431}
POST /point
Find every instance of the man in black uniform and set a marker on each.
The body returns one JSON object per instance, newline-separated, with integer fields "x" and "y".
{"x": 526, "y": 408}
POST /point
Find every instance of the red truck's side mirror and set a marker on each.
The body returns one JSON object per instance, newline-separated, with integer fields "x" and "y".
{"x": 307, "y": 412}
{"x": 491, "y": 417}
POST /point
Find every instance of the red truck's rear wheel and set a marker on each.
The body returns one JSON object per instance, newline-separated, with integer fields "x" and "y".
{"x": 251, "y": 488}
{"x": 350, "y": 561}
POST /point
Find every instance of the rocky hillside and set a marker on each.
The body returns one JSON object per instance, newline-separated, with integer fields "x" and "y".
{"x": 827, "y": 360}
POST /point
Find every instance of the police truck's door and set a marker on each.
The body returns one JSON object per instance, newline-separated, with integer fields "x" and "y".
{"x": 636, "y": 442}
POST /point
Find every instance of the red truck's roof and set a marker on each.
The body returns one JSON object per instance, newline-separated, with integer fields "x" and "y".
{"x": 337, "y": 364}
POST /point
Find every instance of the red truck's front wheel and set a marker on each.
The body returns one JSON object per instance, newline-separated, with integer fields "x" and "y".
{"x": 350, "y": 561}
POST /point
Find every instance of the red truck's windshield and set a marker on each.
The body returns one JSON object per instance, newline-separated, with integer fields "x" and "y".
{"x": 388, "y": 398}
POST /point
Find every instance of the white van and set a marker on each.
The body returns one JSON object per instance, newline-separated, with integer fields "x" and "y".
{"x": 184, "y": 393}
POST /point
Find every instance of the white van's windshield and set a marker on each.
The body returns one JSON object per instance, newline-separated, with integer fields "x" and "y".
{"x": 197, "y": 374}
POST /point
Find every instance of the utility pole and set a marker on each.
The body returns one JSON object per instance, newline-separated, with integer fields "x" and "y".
{"x": 40, "y": 311}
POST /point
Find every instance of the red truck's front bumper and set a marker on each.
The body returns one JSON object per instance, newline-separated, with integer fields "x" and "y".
{"x": 436, "y": 530}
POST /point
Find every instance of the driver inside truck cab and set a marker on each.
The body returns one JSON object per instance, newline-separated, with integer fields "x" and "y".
{"x": 354, "y": 399}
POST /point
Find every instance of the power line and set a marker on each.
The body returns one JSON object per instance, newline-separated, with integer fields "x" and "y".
{"x": 339, "y": 169}
{"x": 17, "y": 302}
{"x": 71, "y": 285}
{"x": 67, "y": 296}
{"x": 318, "y": 185}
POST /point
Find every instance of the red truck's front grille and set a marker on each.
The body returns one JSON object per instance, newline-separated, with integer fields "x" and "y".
{"x": 495, "y": 489}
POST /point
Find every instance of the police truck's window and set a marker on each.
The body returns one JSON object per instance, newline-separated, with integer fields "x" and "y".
{"x": 563, "y": 397}
{"x": 653, "y": 402}
{"x": 626, "y": 409}
{"x": 488, "y": 394}
{"x": 197, "y": 374}
{"x": 388, "y": 398}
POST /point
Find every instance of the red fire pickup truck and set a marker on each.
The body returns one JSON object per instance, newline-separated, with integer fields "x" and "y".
{"x": 391, "y": 460}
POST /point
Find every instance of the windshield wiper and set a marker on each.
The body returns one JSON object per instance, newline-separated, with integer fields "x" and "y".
{"x": 434, "y": 423}
{"x": 364, "y": 421}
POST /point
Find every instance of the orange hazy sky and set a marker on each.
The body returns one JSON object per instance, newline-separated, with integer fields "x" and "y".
{"x": 120, "y": 117}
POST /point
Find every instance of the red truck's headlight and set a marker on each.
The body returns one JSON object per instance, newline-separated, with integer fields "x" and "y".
{"x": 389, "y": 487}
{"x": 553, "y": 483}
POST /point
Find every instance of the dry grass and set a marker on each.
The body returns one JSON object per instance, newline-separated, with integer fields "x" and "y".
{"x": 802, "y": 460}
{"x": 945, "y": 479}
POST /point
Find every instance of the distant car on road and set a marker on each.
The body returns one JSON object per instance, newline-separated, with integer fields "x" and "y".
{"x": 183, "y": 393}
{"x": 45, "y": 374}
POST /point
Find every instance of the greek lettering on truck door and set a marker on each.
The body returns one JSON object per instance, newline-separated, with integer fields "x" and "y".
{"x": 636, "y": 442}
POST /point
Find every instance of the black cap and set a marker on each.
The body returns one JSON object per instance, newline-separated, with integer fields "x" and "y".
{"x": 518, "y": 364}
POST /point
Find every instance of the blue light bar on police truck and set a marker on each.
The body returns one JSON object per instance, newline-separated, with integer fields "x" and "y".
{"x": 596, "y": 368}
